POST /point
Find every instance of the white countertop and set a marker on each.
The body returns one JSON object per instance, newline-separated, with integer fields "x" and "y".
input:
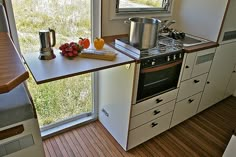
{"x": 49, "y": 70}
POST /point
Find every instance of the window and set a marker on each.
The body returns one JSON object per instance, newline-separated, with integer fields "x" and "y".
{"x": 142, "y": 6}
{"x": 68, "y": 100}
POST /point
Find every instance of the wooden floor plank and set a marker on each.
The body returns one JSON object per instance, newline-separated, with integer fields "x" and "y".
{"x": 46, "y": 150}
{"x": 81, "y": 142}
{"x": 61, "y": 146}
{"x": 104, "y": 138}
{"x": 50, "y": 148}
{"x": 206, "y": 134}
{"x": 94, "y": 143}
{"x": 68, "y": 149}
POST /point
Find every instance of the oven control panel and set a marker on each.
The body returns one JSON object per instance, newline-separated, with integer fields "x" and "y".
{"x": 161, "y": 59}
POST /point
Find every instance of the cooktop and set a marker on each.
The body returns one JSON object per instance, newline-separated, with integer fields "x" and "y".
{"x": 165, "y": 45}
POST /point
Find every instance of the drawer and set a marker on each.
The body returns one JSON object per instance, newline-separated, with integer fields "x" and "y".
{"x": 151, "y": 114}
{"x": 149, "y": 130}
{"x": 203, "y": 62}
{"x": 153, "y": 102}
{"x": 185, "y": 109}
{"x": 191, "y": 87}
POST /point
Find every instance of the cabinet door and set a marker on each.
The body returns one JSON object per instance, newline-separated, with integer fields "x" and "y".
{"x": 115, "y": 93}
{"x": 191, "y": 87}
{"x": 232, "y": 83}
{"x": 203, "y": 62}
{"x": 185, "y": 109}
{"x": 149, "y": 130}
{"x": 219, "y": 76}
{"x": 188, "y": 66}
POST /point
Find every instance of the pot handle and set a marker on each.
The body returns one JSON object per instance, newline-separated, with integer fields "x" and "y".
{"x": 126, "y": 22}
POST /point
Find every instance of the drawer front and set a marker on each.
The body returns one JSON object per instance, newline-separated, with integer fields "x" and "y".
{"x": 185, "y": 109}
{"x": 203, "y": 62}
{"x": 188, "y": 66}
{"x": 153, "y": 102}
{"x": 151, "y": 114}
{"x": 191, "y": 87}
{"x": 149, "y": 130}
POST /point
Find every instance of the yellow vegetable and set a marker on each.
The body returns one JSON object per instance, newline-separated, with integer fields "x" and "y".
{"x": 98, "y": 43}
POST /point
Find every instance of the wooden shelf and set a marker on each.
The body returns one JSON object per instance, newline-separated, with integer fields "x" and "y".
{"x": 12, "y": 71}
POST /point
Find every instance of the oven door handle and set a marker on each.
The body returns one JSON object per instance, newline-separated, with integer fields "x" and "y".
{"x": 159, "y": 68}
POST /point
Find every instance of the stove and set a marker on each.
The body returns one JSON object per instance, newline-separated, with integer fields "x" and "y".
{"x": 166, "y": 46}
{"x": 158, "y": 68}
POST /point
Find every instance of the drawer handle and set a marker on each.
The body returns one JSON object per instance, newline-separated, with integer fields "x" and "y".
{"x": 159, "y": 100}
{"x": 190, "y": 100}
{"x": 156, "y": 112}
{"x": 186, "y": 66}
{"x": 154, "y": 124}
{"x": 196, "y": 81}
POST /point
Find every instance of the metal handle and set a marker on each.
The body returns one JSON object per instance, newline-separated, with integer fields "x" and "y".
{"x": 196, "y": 81}
{"x": 156, "y": 112}
{"x": 154, "y": 124}
{"x": 190, "y": 100}
{"x": 53, "y": 37}
{"x": 159, "y": 100}
{"x": 126, "y": 22}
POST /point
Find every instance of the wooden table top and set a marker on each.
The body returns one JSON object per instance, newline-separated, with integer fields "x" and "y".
{"x": 12, "y": 71}
{"x": 49, "y": 70}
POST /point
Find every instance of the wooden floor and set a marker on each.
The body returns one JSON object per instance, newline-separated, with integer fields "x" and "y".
{"x": 205, "y": 134}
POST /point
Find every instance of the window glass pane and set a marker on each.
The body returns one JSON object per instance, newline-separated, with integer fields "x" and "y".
{"x": 141, "y": 4}
{"x": 70, "y": 19}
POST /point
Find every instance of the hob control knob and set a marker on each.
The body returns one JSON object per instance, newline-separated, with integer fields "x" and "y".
{"x": 168, "y": 58}
{"x": 153, "y": 63}
{"x": 180, "y": 55}
{"x": 174, "y": 57}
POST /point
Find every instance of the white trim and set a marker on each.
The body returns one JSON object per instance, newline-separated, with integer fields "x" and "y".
{"x": 115, "y": 16}
{"x": 96, "y": 18}
{"x": 12, "y": 24}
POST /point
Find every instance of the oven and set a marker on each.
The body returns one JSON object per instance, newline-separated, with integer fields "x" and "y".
{"x": 158, "y": 75}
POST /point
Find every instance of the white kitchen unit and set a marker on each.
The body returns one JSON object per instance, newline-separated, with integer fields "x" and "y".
{"x": 194, "y": 75}
{"x": 219, "y": 76}
{"x": 115, "y": 96}
{"x": 151, "y": 117}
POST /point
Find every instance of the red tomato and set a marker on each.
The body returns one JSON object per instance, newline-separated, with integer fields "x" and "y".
{"x": 84, "y": 42}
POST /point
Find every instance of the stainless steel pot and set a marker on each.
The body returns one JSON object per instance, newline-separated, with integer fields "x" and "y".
{"x": 143, "y": 32}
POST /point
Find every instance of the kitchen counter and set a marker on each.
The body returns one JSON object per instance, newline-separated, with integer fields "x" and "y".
{"x": 49, "y": 70}
{"x": 200, "y": 47}
{"x": 189, "y": 49}
{"x": 12, "y": 71}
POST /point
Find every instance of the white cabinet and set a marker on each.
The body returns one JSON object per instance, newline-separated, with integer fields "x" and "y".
{"x": 149, "y": 130}
{"x": 197, "y": 63}
{"x": 115, "y": 95}
{"x": 231, "y": 88}
{"x": 191, "y": 86}
{"x": 185, "y": 109}
{"x": 145, "y": 117}
{"x": 153, "y": 102}
{"x": 219, "y": 76}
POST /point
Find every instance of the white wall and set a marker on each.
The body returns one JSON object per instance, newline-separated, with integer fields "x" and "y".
{"x": 202, "y": 18}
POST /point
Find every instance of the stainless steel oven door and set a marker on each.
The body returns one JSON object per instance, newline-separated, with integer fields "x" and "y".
{"x": 157, "y": 80}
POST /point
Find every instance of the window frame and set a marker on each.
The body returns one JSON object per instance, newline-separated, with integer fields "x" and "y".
{"x": 164, "y": 9}
{"x": 55, "y": 128}
{"x": 114, "y": 15}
